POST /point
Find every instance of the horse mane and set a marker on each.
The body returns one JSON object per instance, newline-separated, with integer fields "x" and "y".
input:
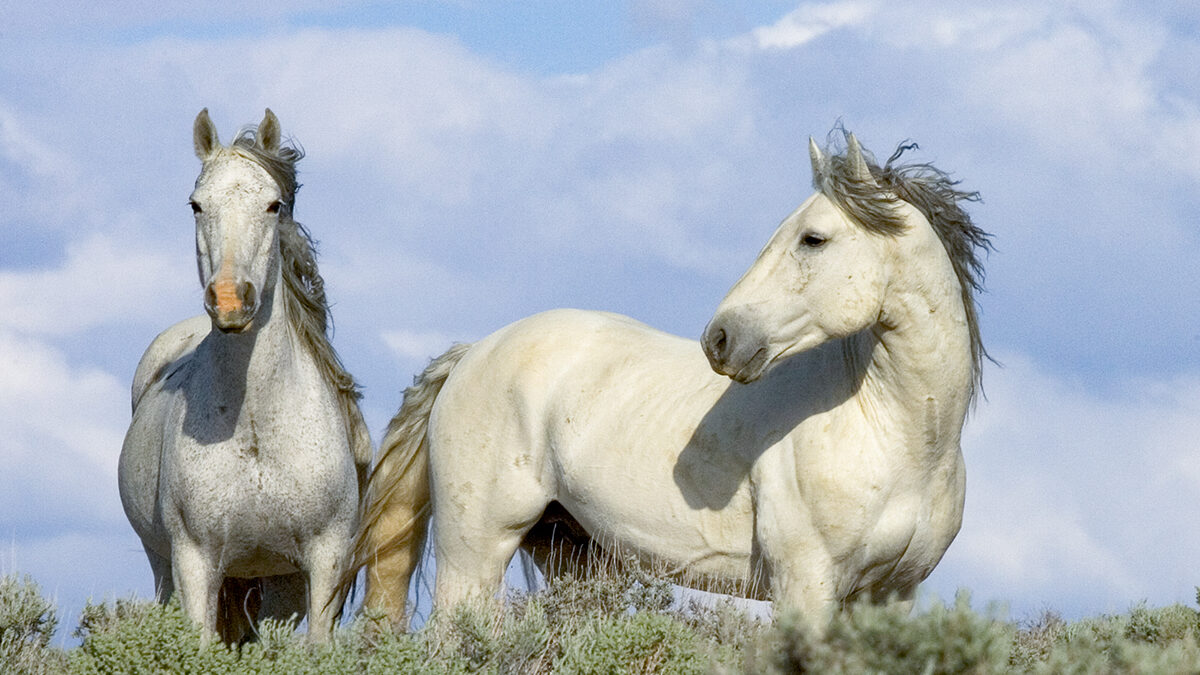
{"x": 305, "y": 304}
{"x": 932, "y": 192}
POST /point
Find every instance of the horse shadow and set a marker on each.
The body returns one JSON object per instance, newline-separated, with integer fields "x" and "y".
{"x": 750, "y": 418}
{"x": 213, "y": 397}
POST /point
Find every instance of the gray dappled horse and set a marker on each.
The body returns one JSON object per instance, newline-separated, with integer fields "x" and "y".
{"x": 241, "y": 470}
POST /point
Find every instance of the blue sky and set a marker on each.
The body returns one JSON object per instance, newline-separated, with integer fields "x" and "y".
{"x": 470, "y": 164}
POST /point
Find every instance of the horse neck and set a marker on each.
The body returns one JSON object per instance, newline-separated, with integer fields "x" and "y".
{"x": 916, "y": 363}
{"x": 265, "y": 355}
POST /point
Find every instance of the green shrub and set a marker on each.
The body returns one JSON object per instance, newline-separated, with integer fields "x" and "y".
{"x": 885, "y": 639}
{"x": 725, "y": 625}
{"x": 636, "y": 643}
{"x": 484, "y": 637}
{"x": 1034, "y": 643}
{"x": 27, "y": 623}
{"x": 611, "y": 621}
{"x": 142, "y": 637}
{"x": 1145, "y": 640}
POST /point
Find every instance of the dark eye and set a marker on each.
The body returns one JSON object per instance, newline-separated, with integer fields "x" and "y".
{"x": 813, "y": 240}
{"x": 274, "y": 207}
{"x": 195, "y": 207}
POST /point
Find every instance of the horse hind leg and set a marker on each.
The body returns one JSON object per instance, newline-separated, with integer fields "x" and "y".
{"x": 238, "y": 605}
{"x": 473, "y": 555}
{"x": 393, "y": 560}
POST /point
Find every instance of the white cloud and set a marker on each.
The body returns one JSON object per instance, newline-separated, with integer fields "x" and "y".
{"x": 102, "y": 281}
{"x": 74, "y": 567}
{"x": 63, "y": 428}
{"x": 1083, "y": 80}
{"x": 38, "y": 181}
{"x": 807, "y": 23}
{"x": 1078, "y": 493}
{"x": 418, "y": 346}
{"x": 961, "y": 28}
{"x": 433, "y": 136}
{"x": 1074, "y": 85}
{"x": 17, "y": 145}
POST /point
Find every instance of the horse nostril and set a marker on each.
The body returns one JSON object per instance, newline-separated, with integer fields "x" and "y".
{"x": 715, "y": 343}
{"x": 249, "y": 296}
{"x": 210, "y": 298}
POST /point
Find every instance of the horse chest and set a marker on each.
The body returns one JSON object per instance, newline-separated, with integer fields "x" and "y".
{"x": 891, "y": 533}
{"x": 862, "y": 499}
{"x": 265, "y": 467}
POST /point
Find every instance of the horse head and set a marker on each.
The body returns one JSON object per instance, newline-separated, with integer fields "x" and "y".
{"x": 821, "y": 276}
{"x": 238, "y": 205}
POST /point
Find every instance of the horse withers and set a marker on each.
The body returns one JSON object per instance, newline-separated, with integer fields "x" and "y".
{"x": 242, "y": 468}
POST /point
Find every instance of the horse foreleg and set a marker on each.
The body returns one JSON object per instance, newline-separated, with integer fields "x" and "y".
{"x": 473, "y": 550}
{"x": 164, "y": 585}
{"x": 801, "y": 572}
{"x": 325, "y": 563}
{"x": 197, "y": 579}
{"x": 809, "y": 595}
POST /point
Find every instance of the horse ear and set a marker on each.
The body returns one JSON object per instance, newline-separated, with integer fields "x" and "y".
{"x": 268, "y": 132}
{"x": 818, "y": 160}
{"x": 858, "y": 164}
{"x": 204, "y": 136}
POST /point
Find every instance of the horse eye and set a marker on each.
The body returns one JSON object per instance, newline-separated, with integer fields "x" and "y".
{"x": 274, "y": 207}
{"x": 812, "y": 240}
{"x": 195, "y": 207}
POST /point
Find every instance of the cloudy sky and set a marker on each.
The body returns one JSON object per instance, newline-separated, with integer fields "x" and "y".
{"x": 471, "y": 163}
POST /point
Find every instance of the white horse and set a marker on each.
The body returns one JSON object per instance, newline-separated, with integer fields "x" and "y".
{"x": 242, "y": 467}
{"x": 825, "y": 467}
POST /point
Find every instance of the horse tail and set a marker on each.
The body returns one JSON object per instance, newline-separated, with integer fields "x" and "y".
{"x": 396, "y": 508}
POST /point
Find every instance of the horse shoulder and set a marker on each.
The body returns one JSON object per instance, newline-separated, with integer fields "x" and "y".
{"x": 140, "y": 462}
{"x": 165, "y": 350}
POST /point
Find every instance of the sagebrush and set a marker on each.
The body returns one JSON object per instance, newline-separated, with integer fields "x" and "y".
{"x": 614, "y": 621}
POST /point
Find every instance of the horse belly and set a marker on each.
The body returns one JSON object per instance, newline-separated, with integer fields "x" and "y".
{"x": 632, "y": 496}
{"x": 138, "y": 470}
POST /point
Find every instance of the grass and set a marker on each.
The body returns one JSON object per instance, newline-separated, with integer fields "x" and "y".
{"x": 613, "y": 620}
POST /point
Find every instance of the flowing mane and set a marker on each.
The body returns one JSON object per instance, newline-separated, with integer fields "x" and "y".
{"x": 305, "y": 305}
{"x": 932, "y": 192}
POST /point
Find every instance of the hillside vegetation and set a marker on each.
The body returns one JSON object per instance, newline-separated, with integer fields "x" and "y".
{"x": 613, "y": 622}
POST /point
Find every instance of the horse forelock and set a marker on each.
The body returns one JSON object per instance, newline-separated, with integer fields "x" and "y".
{"x": 280, "y": 165}
{"x": 872, "y": 204}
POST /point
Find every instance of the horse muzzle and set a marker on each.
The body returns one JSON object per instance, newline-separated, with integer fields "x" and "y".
{"x": 741, "y": 360}
{"x": 231, "y": 304}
